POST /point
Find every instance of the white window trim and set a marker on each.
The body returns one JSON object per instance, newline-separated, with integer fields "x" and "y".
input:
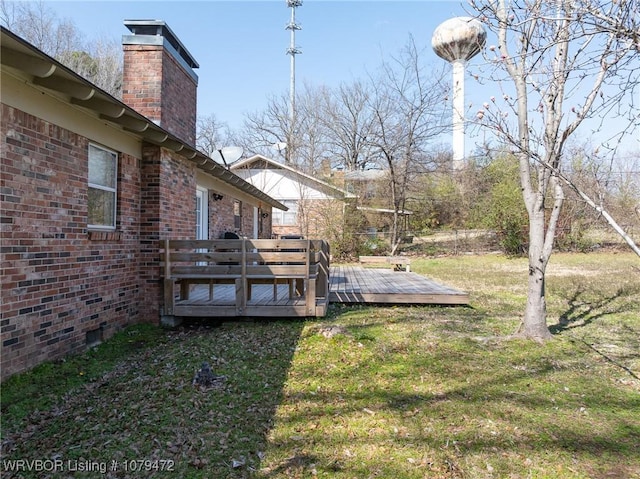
{"x": 203, "y": 232}
{"x": 113, "y": 190}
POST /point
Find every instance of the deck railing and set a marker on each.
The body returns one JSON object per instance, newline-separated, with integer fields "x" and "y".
{"x": 301, "y": 264}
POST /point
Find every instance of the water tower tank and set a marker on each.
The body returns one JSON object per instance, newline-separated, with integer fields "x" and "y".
{"x": 459, "y": 38}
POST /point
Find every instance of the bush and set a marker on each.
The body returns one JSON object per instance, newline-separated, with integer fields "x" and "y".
{"x": 374, "y": 247}
{"x": 501, "y": 207}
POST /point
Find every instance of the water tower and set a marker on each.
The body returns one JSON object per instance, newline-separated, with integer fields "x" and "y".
{"x": 458, "y": 40}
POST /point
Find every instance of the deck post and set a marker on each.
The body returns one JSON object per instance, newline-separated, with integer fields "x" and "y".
{"x": 243, "y": 293}
{"x": 309, "y": 284}
{"x": 168, "y": 281}
{"x": 167, "y": 317}
{"x": 310, "y": 296}
{"x": 241, "y": 297}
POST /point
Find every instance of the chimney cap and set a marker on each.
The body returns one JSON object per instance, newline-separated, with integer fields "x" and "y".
{"x": 157, "y": 28}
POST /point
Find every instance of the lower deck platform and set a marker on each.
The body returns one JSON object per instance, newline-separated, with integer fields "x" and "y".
{"x": 355, "y": 284}
{"x": 347, "y": 284}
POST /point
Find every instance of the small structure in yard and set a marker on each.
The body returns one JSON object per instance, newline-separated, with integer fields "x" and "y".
{"x": 206, "y": 379}
{"x": 398, "y": 263}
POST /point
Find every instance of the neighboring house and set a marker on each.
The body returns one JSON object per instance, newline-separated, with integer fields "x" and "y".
{"x": 314, "y": 206}
{"x": 366, "y": 184}
{"x": 371, "y": 186}
{"x": 89, "y": 188}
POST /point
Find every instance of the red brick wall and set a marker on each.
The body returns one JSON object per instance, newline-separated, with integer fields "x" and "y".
{"x": 167, "y": 211}
{"x": 58, "y": 280}
{"x": 158, "y": 87}
{"x": 142, "y": 79}
{"x": 221, "y": 217}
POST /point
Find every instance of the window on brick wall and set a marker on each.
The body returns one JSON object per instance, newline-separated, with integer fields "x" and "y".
{"x": 103, "y": 170}
{"x": 288, "y": 218}
{"x": 237, "y": 214}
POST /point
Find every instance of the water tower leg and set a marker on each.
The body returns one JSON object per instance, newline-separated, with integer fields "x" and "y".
{"x": 458, "y": 114}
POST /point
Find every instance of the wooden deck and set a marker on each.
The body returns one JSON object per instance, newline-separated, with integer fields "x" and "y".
{"x": 231, "y": 277}
{"x": 347, "y": 284}
{"x": 355, "y": 284}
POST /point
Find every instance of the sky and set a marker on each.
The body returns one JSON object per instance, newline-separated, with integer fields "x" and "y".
{"x": 241, "y": 45}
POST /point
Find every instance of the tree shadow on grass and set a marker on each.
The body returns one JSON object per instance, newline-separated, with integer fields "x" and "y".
{"x": 489, "y": 417}
{"x": 583, "y": 312}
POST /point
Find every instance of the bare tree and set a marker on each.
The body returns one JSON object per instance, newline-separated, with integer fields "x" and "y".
{"x": 311, "y": 129}
{"x": 263, "y": 130}
{"x": 99, "y": 61}
{"x": 349, "y": 122}
{"x": 408, "y": 111}
{"x": 566, "y": 68}
{"x": 211, "y": 134}
{"x": 39, "y": 25}
{"x": 302, "y": 144}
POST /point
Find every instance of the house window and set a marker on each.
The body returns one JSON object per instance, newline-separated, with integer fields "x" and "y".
{"x": 237, "y": 214}
{"x": 103, "y": 166}
{"x": 286, "y": 218}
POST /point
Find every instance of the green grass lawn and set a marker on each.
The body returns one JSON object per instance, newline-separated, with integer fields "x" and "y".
{"x": 398, "y": 392}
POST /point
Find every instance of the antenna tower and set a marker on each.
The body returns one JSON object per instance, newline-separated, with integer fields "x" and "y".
{"x": 293, "y": 50}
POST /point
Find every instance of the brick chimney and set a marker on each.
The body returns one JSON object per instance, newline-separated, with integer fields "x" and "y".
{"x": 159, "y": 79}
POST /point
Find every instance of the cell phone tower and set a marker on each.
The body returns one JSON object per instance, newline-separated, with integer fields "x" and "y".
{"x": 457, "y": 40}
{"x": 293, "y": 50}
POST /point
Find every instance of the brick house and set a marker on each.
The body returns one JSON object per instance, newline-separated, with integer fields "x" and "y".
{"x": 315, "y": 207}
{"x": 91, "y": 184}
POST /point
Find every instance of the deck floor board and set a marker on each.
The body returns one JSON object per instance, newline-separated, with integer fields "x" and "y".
{"x": 355, "y": 284}
{"x": 347, "y": 284}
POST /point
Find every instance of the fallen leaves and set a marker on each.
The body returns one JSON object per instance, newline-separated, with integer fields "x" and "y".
{"x": 146, "y": 408}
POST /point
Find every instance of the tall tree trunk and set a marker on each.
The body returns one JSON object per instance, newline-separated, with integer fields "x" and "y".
{"x": 534, "y": 323}
{"x": 542, "y": 231}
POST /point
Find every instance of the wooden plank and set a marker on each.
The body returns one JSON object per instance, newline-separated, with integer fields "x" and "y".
{"x": 277, "y": 270}
{"x": 310, "y": 295}
{"x": 198, "y": 310}
{"x": 277, "y": 244}
{"x": 290, "y": 310}
{"x": 196, "y": 271}
{"x": 206, "y": 256}
{"x": 169, "y": 298}
{"x": 372, "y": 259}
{"x": 277, "y": 257}
{"x": 206, "y": 244}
